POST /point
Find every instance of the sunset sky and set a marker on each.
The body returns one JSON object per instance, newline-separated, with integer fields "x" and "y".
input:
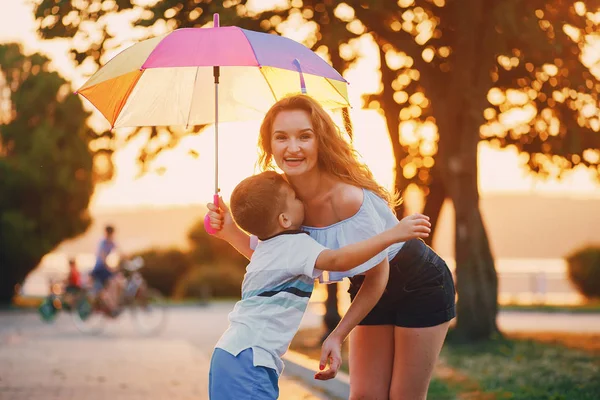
{"x": 188, "y": 180}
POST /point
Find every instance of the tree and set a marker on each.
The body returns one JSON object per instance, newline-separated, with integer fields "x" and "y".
{"x": 459, "y": 69}
{"x": 475, "y": 57}
{"x": 46, "y": 175}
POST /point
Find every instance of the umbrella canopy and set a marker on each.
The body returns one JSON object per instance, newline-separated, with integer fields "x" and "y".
{"x": 169, "y": 79}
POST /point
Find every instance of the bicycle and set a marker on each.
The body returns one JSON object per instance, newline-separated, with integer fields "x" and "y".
{"x": 146, "y": 305}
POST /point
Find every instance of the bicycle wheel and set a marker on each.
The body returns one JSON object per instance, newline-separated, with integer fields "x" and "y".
{"x": 149, "y": 311}
{"x": 85, "y": 318}
{"x": 48, "y": 310}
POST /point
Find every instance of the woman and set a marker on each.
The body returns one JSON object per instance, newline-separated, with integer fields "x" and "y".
{"x": 394, "y": 349}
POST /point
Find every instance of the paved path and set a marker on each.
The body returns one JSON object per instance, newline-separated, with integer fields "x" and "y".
{"x": 55, "y": 362}
{"x": 530, "y": 321}
{"x": 41, "y": 361}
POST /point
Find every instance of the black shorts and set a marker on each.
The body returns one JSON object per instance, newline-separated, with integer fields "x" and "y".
{"x": 420, "y": 292}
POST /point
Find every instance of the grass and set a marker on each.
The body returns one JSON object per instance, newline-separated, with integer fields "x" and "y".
{"x": 532, "y": 366}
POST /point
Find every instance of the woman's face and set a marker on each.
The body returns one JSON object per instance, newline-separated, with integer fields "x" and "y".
{"x": 294, "y": 142}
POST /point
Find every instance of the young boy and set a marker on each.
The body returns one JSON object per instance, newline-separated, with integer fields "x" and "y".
{"x": 279, "y": 280}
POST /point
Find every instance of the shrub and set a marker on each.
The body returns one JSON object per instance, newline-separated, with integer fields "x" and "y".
{"x": 163, "y": 268}
{"x": 216, "y": 280}
{"x": 584, "y": 271}
{"x": 206, "y": 249}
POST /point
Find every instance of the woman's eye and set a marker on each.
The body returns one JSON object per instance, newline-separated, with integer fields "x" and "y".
{"x": 279, "y": 137}
{"x": 305, "y": 137}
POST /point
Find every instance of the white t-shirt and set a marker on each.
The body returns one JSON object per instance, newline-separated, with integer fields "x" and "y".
{"x": 277, "y": 286}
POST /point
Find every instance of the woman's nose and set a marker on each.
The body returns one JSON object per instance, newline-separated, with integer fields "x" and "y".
{"x": 293, "y": 146}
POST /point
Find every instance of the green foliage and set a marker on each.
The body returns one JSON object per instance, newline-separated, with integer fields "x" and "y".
{"x": 439, "y": 390}
{"x": 206, "y": 249}
{"x": 219, "y": 268}
{"x": 46, "y": 176}
{"x": 526, "y": 369}
{"x": 584, "y": 271}
{"x": 509, "y": 45}
{"x": 210, "y": 268}
{"x": 163, "y": 268}
{"x": 212, "y": 280}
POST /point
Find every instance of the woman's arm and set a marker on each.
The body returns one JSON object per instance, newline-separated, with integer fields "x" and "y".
{"x": 226, "y": 228}
{"x": 368, "y": 295}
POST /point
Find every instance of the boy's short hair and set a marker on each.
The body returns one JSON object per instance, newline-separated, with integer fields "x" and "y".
{"x": 257, "y": 201}
{"x": 109, "y": 229}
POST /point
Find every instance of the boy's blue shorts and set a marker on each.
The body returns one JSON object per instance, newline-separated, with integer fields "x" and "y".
{"x": 236, "y": 378}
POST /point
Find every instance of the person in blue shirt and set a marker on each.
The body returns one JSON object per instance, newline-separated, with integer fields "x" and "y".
{"x": 105, "y": 279}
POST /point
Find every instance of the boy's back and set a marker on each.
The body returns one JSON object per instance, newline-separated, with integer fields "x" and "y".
{"x": 277, "y": 286}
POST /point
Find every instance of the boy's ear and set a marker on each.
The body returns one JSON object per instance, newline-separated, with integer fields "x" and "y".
{"x": 284, "y": 221}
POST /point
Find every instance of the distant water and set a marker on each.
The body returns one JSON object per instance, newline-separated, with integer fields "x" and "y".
{"x": 521, "y": 280}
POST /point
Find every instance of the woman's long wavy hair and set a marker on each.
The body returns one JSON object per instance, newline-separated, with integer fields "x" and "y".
{"x": 335, "y": 155}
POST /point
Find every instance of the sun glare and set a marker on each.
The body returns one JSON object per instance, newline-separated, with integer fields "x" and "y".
{"x": 177, "y": 177}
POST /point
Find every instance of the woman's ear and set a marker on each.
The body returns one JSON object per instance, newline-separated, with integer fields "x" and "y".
{"x": 284, "y": 221}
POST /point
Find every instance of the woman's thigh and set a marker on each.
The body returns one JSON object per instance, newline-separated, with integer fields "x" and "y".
{"x": 371, "y": 361}
{"x": 416, "y": 352}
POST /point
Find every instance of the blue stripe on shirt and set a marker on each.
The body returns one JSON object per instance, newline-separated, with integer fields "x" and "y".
{"x": 285, "y": 287}
{"x": 285, "y": 302}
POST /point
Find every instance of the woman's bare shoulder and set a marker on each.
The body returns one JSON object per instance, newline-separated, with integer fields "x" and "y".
{"x": 346, "y": 200}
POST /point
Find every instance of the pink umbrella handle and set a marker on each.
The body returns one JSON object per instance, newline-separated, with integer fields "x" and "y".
{"x": 209, "y": 229}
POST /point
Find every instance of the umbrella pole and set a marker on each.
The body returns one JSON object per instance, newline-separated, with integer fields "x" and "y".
{"x": 207, "y": 227}
{"x": 216, "y": 73}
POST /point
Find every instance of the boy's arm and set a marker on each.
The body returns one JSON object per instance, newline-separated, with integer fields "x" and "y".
{"x": 241, "y": 242}
{"x": 368, "y": 295}
{"x": 351, "y": 256}
{"x": 227, "y": 229}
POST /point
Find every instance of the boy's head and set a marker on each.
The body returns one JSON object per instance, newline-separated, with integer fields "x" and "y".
{"x": 265, "y": 204}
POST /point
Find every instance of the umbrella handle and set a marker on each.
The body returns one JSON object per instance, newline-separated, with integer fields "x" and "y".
{"x": 209, "y": 229}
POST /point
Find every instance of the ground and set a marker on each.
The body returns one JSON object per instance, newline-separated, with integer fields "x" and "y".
{"x": 56, "y": 362}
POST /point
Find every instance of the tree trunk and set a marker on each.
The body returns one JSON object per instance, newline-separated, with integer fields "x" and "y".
{"x": 459, "y": 106}
{"x": 391, "y": 112}
{"x": 477, "y": 282}
{"x": 7, "y": 288}
{"x": 9, "y": 279}
{"x": 434, "y": 201}
{"x": 476, "y": 279}
{"x": 332, "y": 316}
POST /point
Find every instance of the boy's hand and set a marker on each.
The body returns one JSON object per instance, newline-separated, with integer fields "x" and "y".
{"x": 331, "y": 353}
{"x": 413, "y": 226}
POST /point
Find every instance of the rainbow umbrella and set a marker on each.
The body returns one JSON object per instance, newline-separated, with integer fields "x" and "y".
{"x": 168, "y": 80}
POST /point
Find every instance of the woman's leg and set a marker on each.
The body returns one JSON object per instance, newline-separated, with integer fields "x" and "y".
{"x": 371, "y": 360}
{"x": 416, "y": 353}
